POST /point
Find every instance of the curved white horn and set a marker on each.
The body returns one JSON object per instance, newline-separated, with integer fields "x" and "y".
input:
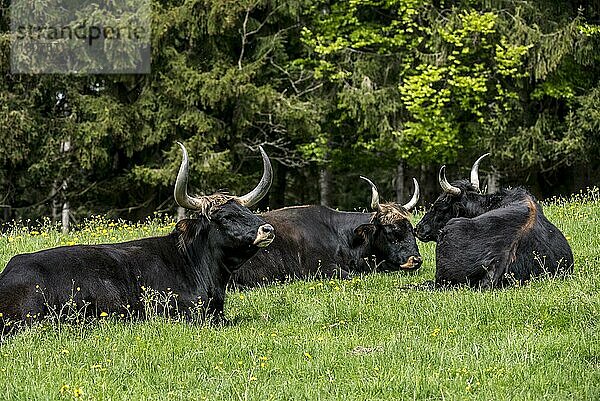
{"x": 415, "y": 198}
{"x": 475, "y": 172}
{"x": 254, "y": 196}
{"x": 374, "y": 194}
{"x": 446, "y": 186}
{"x": 181, "y": 195}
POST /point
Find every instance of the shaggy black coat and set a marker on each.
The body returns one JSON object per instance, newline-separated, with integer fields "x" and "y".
{"x": 316, "y": 241}
{"x": 193, "y": 264}
{"x": 493, "y": 240}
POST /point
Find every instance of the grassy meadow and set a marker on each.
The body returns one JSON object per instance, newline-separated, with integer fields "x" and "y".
{"x": 369, "y": 338}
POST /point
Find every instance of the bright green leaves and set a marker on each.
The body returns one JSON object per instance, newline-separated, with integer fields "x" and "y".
{"x": 345, "y": 31}
{"x": 445, "y": 95}
{"x": 509, "y": 59}
{"x": 469, "y": 29}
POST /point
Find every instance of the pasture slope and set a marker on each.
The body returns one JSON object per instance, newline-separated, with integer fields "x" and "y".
{"x": 369, "y": 338}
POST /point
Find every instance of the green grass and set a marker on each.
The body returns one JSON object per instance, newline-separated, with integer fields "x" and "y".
{"x": 369, "y": 338}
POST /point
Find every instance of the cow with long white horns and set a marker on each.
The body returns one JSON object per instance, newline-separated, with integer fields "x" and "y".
{"x": 319, "y": 242}
{"x": 491, "y": 240}
{"x": 192, "y": 264}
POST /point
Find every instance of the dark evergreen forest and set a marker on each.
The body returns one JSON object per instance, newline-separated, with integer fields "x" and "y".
{"x": 390, "y": 89}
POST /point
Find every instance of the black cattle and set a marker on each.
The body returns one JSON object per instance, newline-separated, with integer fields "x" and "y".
{"x": 316, "y": 241}
{"x": 194, "y": 263}
{"x": 491, "y": 240}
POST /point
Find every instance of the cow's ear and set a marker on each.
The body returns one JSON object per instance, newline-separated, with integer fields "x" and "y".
{"x": 362, "y": 234}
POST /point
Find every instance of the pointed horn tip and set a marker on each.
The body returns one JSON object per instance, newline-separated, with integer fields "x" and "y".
{"x": 416, "y": 183}
{"x": 262, "y": 188}
{"x": 446, "y": 186}
{"x": 482, "y": 157}
{"x": 264, "y": 155}
{"x": 367, "y": 180}
{"x": 181, "y": 146}
{"x": 415, "y": 197}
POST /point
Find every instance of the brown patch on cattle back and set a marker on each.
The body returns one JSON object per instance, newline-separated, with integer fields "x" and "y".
{"x": 392, "y": 213}
{"x": 528, "y": 226}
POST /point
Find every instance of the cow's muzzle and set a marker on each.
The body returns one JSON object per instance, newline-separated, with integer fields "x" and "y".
{"x": 264, "y": 236}
{"x": 414, "y": 262}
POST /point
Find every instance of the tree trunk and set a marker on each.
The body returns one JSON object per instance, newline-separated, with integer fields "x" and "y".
{"x": 399, "y": 183}
{"x": 426, "y": 185}
{"x": 6, "y": 212}
{"x": 55, "y": 202}
{"x": 493, "y": 181}
{"x": 325, "y": 186}
{"x": 65, "y": 217}
{"x": 65, "y": 146}
{"x": 279, "y": 187}
{"x": 429, "y": 185}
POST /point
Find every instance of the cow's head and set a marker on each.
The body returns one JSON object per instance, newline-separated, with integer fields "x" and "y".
{"x": 462, "y": 198}
{"x": 390, "y": 234}
{"x": 226, "y": 228}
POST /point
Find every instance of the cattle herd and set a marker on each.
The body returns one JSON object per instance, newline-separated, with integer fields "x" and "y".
{"x": 483, "y": 241}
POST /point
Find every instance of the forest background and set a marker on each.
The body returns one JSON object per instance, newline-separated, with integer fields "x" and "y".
{"x": 390, "y": 89}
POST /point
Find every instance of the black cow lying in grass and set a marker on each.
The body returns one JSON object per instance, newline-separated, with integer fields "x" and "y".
{"x": 193, "y": 263}
{"x": 491, "y": 240}
{"x": 316, "y": 241}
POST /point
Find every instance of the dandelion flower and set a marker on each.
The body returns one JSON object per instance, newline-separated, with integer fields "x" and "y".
{"x": 103, "y": 314}
{"x": 77, "y": 392}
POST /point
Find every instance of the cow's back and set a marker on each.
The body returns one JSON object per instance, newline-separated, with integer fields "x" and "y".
{"x": 543, "y": 251}
{"x": 98, "y": 275}
{"x": 509, "y": 244}
{"x": 308, "y": 244}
